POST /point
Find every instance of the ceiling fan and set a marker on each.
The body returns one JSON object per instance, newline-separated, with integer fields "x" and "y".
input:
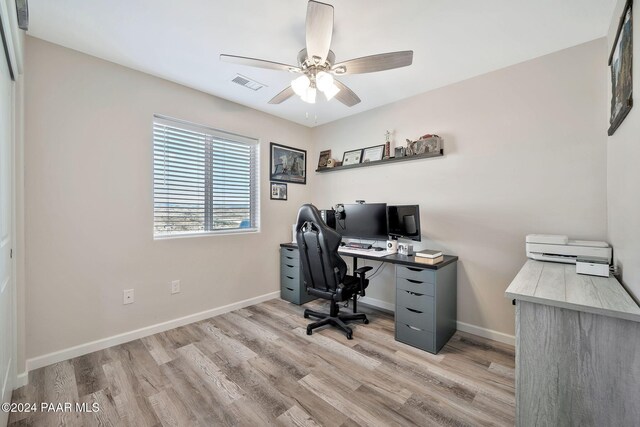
{"x": 317, "y": 66}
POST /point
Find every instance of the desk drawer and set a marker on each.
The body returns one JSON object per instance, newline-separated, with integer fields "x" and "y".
{"x": 289, "y": 259}
{"x": 416, "y": 301}
{"x": 290, "y": 282}
{"x": 415, "y": 286}
{"x": 416, "y": 337}
{"x": 290, "y": 252}
{"x": 415, "y": 273}
{"x": 418, "y": 318}
{"x": 289, "y": 294}
{"x": 290, "y": 270}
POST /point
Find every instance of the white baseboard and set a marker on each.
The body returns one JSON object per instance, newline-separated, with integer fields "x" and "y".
{"x": 461, "y": 326}
{"x": 384, "y": 305}
{"x": 101, "y": 344}
{"x": 487, "y": 333}
{"x": 22, "y": 379}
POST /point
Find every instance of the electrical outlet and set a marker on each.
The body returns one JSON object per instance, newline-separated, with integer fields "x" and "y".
{"x": 128, "y": 297}
{"x": 175, "y": 287}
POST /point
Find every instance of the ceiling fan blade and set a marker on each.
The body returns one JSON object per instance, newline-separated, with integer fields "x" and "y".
{"x": 260, "y": 63}
{"x": 319, "y": 30}
{"x": 346, "y": 95}
{"x": 373, "y": 63}
{"x": 282, "y": 96}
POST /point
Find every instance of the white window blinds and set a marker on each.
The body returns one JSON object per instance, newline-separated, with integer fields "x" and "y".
{"x": 204, "y": 180}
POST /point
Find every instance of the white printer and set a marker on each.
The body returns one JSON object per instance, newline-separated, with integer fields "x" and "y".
{"x": 558, "y": 248}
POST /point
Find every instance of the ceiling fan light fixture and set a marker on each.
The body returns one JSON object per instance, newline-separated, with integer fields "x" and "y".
{"x": 324, "y": 81}
{"x": 309, "y": 95}
{"x": 300, "y": 85}
{"x": 331, "y": 91}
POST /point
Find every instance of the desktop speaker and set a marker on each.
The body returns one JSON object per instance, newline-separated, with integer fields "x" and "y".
{"x": 392, "y": 246}
{"x": 329, "y": 217}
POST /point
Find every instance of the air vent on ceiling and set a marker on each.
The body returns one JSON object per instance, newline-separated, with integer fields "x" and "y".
{"x": 247, "y": 82}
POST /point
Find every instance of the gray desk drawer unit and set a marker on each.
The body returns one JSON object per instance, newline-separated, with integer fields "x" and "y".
{"x": 291, "y": 282}
{"x": 426, "y": 306}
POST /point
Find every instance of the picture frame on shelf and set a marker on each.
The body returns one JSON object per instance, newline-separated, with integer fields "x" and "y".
{"x": 278, "y": 191}
{"x": 373, "y": 154}
{"x": 324, "y": 158}
{"x": 287, "y": 164}
{"x": 352, "y": 157}
{"x": 620, "y": 63}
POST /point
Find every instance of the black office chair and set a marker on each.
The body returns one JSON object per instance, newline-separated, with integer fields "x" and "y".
{"x": 325, "y": 273}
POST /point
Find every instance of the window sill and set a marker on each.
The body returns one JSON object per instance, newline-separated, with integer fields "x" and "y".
{"x": 208, "y": 234}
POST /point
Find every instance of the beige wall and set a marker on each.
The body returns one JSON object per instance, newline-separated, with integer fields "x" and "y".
{"x": 623, "y": 174}
{"x": 525, "y": 153}
{"x": 89, "y": 211}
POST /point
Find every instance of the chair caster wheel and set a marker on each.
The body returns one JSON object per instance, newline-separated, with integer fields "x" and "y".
{"x": 349, "y": 335}
{"x": 309, "y": 331}
{"x": 366, "y": 321}
{"x": 306, "y": 316}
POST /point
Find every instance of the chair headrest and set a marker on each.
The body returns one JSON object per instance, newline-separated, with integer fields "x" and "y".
{"x": 308, "y": 213}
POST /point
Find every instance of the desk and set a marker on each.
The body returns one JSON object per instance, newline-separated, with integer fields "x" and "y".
{"x": 577, "y": 347}
{"x": 426, "y": 295}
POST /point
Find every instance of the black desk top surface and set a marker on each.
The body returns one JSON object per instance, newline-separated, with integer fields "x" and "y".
{"x": 393, "y": 259}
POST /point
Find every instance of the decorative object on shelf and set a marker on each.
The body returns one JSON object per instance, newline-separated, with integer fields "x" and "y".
{"x": 373, "y": 154}
{"x": 399, "y": 152}
{"x": 324, "y": 158}
{"x": 620, "y": 61}
{"x": 405, "y": 248}
{"x": 387, "y": 145}
{"x": 287, "y": 164}
{"x": 278, "y": 191}
{"x": 351, "y": 157}
{"x": 331, "y": 163}
{"x": 424, "y": 145}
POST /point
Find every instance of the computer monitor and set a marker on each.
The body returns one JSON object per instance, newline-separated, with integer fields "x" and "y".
{"x": 364, "y": 221}
{"x": 404, "y": 221}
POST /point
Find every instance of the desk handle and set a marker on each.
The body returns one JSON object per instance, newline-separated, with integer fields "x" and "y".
{"x": 415, "y": 269}
{"x": 289, "y": 277}
{"x": 291, "y": 289}
{"x": 414, "y": 281}
{"x": 414, "y": 328}
{"x": 288, "y": 257}
{"x": 290, "y": 266}
{"x": 414, "y": 293}
{"x": 413, "y": 311}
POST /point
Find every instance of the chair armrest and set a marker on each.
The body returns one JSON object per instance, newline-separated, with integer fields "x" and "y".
{"x": 362, "y": 270}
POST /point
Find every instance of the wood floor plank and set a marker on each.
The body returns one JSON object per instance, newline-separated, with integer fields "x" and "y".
{"x": 257, "y": 366}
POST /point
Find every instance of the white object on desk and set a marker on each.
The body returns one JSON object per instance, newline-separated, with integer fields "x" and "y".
{"x": 405, "y": 248}
{"x": 367, "y": 252}
{"x": 558, "y": 248}
{"x": 592, "y": 267}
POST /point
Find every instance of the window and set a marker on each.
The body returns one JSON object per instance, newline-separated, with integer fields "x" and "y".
{"x": 205, "y": 181}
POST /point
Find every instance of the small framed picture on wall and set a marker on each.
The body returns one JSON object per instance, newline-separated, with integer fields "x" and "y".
{"x": 278, "y": 191}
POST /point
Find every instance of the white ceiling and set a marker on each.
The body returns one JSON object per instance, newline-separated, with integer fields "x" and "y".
{"x": 452, "y": 41}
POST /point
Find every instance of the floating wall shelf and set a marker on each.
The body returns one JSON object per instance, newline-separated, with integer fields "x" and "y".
{"x": 382, "y": 162}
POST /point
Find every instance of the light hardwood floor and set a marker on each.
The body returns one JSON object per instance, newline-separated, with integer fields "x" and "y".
{"x": 256, "y": 366}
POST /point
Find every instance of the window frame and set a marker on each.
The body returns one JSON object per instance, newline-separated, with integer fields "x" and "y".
{"x": 255, "y": 172}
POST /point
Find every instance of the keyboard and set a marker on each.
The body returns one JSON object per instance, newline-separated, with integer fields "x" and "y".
{"x": 368, "y": 252}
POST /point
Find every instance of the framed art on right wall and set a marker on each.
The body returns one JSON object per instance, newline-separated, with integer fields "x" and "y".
{"x": 620, "y": 62}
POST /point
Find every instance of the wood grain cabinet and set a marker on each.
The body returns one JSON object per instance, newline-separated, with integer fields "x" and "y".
{"x": 292, "y": 287}
{"x": 425, "y": 306}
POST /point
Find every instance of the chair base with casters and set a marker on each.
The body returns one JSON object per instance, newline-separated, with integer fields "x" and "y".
{"x": 334, "y": 318}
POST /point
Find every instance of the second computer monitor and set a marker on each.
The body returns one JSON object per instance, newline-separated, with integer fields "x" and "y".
{"x": 364, "y": 221}
{"x": 404, "y": 221}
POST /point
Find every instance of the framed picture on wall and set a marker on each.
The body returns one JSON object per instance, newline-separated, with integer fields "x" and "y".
{"x": 372, "y": 154}
{"x": 351, "y": 157}
{"x": 278, "y": 191}
{"x": 620, "y": 61}
{"x": 287, "y": 164}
